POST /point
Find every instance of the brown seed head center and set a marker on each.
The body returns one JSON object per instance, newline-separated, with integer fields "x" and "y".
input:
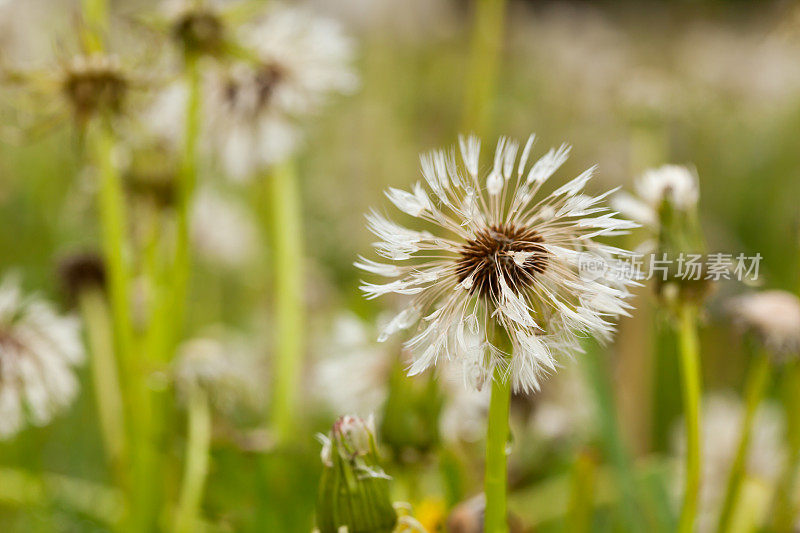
{"x": 515, "y": 252}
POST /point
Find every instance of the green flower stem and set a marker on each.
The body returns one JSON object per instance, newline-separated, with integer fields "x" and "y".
{"x": 495, "y": 520}
{"x": 95, "y": 15}
{"x": 198, "y": 444}
{"x": 113, "y": 224}
{"x": 171, "y": 285}
{"x": 487, "y": 38}
{"x": 168, "y": 314}
{"x": 757, "y": 381}
{"x": 186, "y": 187}
{"x": 581, "y": 503}
{"x": 136, "y": 400}
{"x": 691, "y": 385}
{"x": 105, "y": 378}
{"x": 785, "y": 510}
{"x": 288, "y": 261}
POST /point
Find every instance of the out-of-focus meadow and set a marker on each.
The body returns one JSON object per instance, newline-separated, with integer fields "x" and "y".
{"x": 631, "y": 85}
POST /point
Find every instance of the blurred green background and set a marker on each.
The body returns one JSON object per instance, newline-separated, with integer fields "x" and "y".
{"x": 631, "y": 85}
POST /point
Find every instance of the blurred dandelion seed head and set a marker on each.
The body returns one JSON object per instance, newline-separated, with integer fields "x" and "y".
{"x": 774, "y": 316}
{"x": 198, "y": 28}
{"x": 351, "y": 375}
{"x": 95, "y": 84}
{"x": 292, "y": 62}
{"x": 254, "y": 108}
{"x": 672, "y": 183}
{"x": 38, "y": 350}
{"x": 500, "y": 256}
{"x": 675, "y": 184}
{"x": 223, "y": 367}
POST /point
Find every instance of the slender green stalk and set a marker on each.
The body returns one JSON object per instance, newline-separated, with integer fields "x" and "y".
{"x": 581, "y": 505}
{"x": 288, "y": 261}
{"x": 784, "y": 507}
{"x": 666, "y": 372}
{"x": 186, "y": 187}
{"x": 785, "y": 513}
{"x": 198, "y": 444}
{"x": 757, "y": 381}
{"x": 136, "y": 401}
{"x": 167, "y": 317}
{"x": 691, "y": 384}
{"x": 95, "y": 15}
{"x": 785, "y": 510}
{"x": 105, "y": 378}
{"x": 172, "y": 285}
{"x": 496, "y": 443}
{"x": 487, "y": 37}
{"x": 113, "y": 224}
{"x": 136, "y": 397}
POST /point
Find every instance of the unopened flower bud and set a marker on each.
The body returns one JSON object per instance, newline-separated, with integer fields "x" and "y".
{"x": 354, "y": 490}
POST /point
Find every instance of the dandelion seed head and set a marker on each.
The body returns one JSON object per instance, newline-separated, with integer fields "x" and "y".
{"x": 197, "y": 26}
{"x": 38, "y": 351}
{"x": 351, "y": 375}
{"x": 255, "y": 108}
{"x": 774, "y": 316}
{"x": 675, "y": 184}
{"x": 224, "y": 367}
{"x": 501, "y": 256}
